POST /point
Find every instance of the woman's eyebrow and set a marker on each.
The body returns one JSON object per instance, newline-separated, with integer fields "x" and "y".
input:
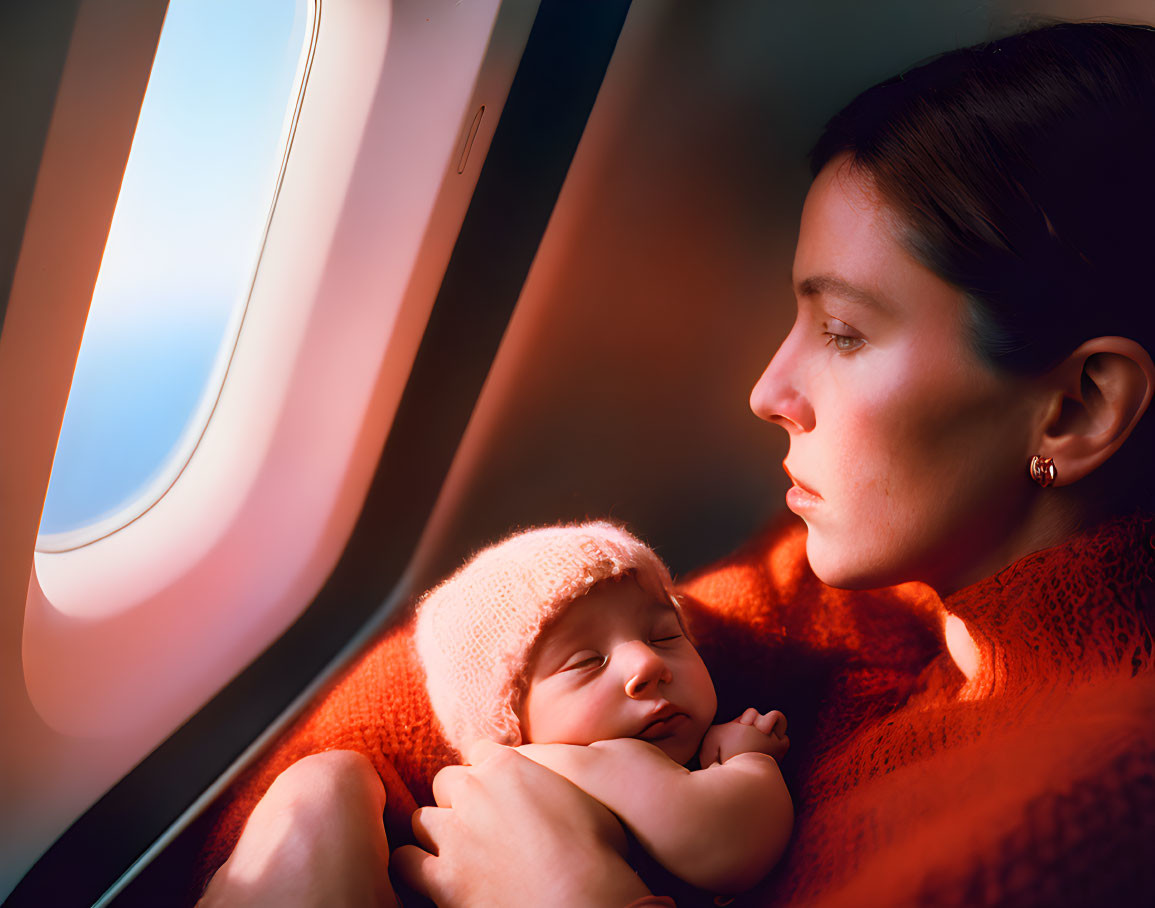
{"x": 828, "y": 285}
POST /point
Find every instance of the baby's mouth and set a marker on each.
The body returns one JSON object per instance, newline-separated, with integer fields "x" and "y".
{"x": 666, "y": 721}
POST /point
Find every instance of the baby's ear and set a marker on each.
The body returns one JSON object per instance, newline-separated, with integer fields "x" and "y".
{"x": 1101, "y": 391}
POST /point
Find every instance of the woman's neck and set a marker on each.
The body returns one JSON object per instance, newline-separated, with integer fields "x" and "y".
{"x": 1056, "y": 515}
{"x": 1070, "y": 612}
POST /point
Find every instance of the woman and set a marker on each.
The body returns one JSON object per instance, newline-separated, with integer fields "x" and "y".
{"x": 966, "y": 390}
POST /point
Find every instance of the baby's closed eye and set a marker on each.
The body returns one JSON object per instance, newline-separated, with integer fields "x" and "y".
{"x": 666, "y": 630}
{"x": 583, "y": 661}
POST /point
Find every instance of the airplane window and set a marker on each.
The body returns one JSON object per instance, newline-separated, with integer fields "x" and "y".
{"x": 181, "y": 255}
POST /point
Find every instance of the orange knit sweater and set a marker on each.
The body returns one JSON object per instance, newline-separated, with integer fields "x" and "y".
{"x": 1032, "y": 781}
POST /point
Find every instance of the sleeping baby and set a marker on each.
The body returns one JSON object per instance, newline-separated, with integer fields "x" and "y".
{"x": 568, "y": 642}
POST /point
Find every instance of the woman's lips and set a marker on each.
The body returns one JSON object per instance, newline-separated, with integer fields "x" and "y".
{"x": 799, "y": 500}
{"x": 800, "y": 497}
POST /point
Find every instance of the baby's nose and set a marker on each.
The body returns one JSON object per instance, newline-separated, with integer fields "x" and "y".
{"x": 644, "y": 669}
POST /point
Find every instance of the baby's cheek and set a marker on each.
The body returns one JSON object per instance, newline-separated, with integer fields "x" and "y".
{"x": 565, "y": 720}
{"x": 705, "y": 695}
{"x": 592, "y": 719}
{"x": 536, "y": 715}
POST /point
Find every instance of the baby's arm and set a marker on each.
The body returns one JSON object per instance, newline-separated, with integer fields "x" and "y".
{"x": 739, "y": 808}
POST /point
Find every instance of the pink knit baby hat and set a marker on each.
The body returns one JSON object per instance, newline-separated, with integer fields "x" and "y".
{"x": 476, "y": 631}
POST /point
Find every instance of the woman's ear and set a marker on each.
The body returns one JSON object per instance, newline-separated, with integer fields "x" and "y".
{"x": 1101, "y": 391}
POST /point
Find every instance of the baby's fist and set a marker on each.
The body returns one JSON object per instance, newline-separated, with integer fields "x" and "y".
{"x": 751, "y": 732}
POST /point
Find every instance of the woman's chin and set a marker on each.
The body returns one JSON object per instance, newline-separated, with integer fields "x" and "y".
{"x": 842, "y": 567}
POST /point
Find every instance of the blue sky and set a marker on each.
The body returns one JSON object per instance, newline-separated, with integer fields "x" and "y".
{"x": 180, "y": 254}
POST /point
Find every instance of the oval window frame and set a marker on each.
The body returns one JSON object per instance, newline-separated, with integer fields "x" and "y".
{"x": 177, "y": 459}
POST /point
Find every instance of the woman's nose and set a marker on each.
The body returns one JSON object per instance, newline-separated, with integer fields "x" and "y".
{"x": 777, "y": 396}
{"x": 644, "y": 669}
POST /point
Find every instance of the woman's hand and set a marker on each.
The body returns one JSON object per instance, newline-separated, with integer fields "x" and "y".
{"x": 751, "y": 732}
{"x": 507, "y": 831}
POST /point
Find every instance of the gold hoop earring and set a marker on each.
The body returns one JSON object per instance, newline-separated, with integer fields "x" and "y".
{"x": 1044, "y": 471}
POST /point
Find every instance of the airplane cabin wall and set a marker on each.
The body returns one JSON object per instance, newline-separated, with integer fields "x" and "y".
{"x": 66, "y": 222}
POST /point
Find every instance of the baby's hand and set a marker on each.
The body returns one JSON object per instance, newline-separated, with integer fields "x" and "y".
{"x": 751, "y": 732}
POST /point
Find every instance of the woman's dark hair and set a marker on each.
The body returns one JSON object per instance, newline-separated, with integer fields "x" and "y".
{"x": 1023, "y": 172}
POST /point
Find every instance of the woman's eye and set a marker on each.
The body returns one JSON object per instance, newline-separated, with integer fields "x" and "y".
{"x": 668, "y": 637}
{"x": 842, "y": 342}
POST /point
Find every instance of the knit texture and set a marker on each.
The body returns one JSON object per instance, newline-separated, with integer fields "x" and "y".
{"x": 475, "y": 632}
{"x": 1031, "y": 783}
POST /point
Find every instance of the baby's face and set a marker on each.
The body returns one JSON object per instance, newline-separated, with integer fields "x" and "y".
{"x": 617, "y": 664}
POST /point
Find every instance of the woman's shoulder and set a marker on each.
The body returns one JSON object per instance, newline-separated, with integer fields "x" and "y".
{"x": 1048, "y": 799}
